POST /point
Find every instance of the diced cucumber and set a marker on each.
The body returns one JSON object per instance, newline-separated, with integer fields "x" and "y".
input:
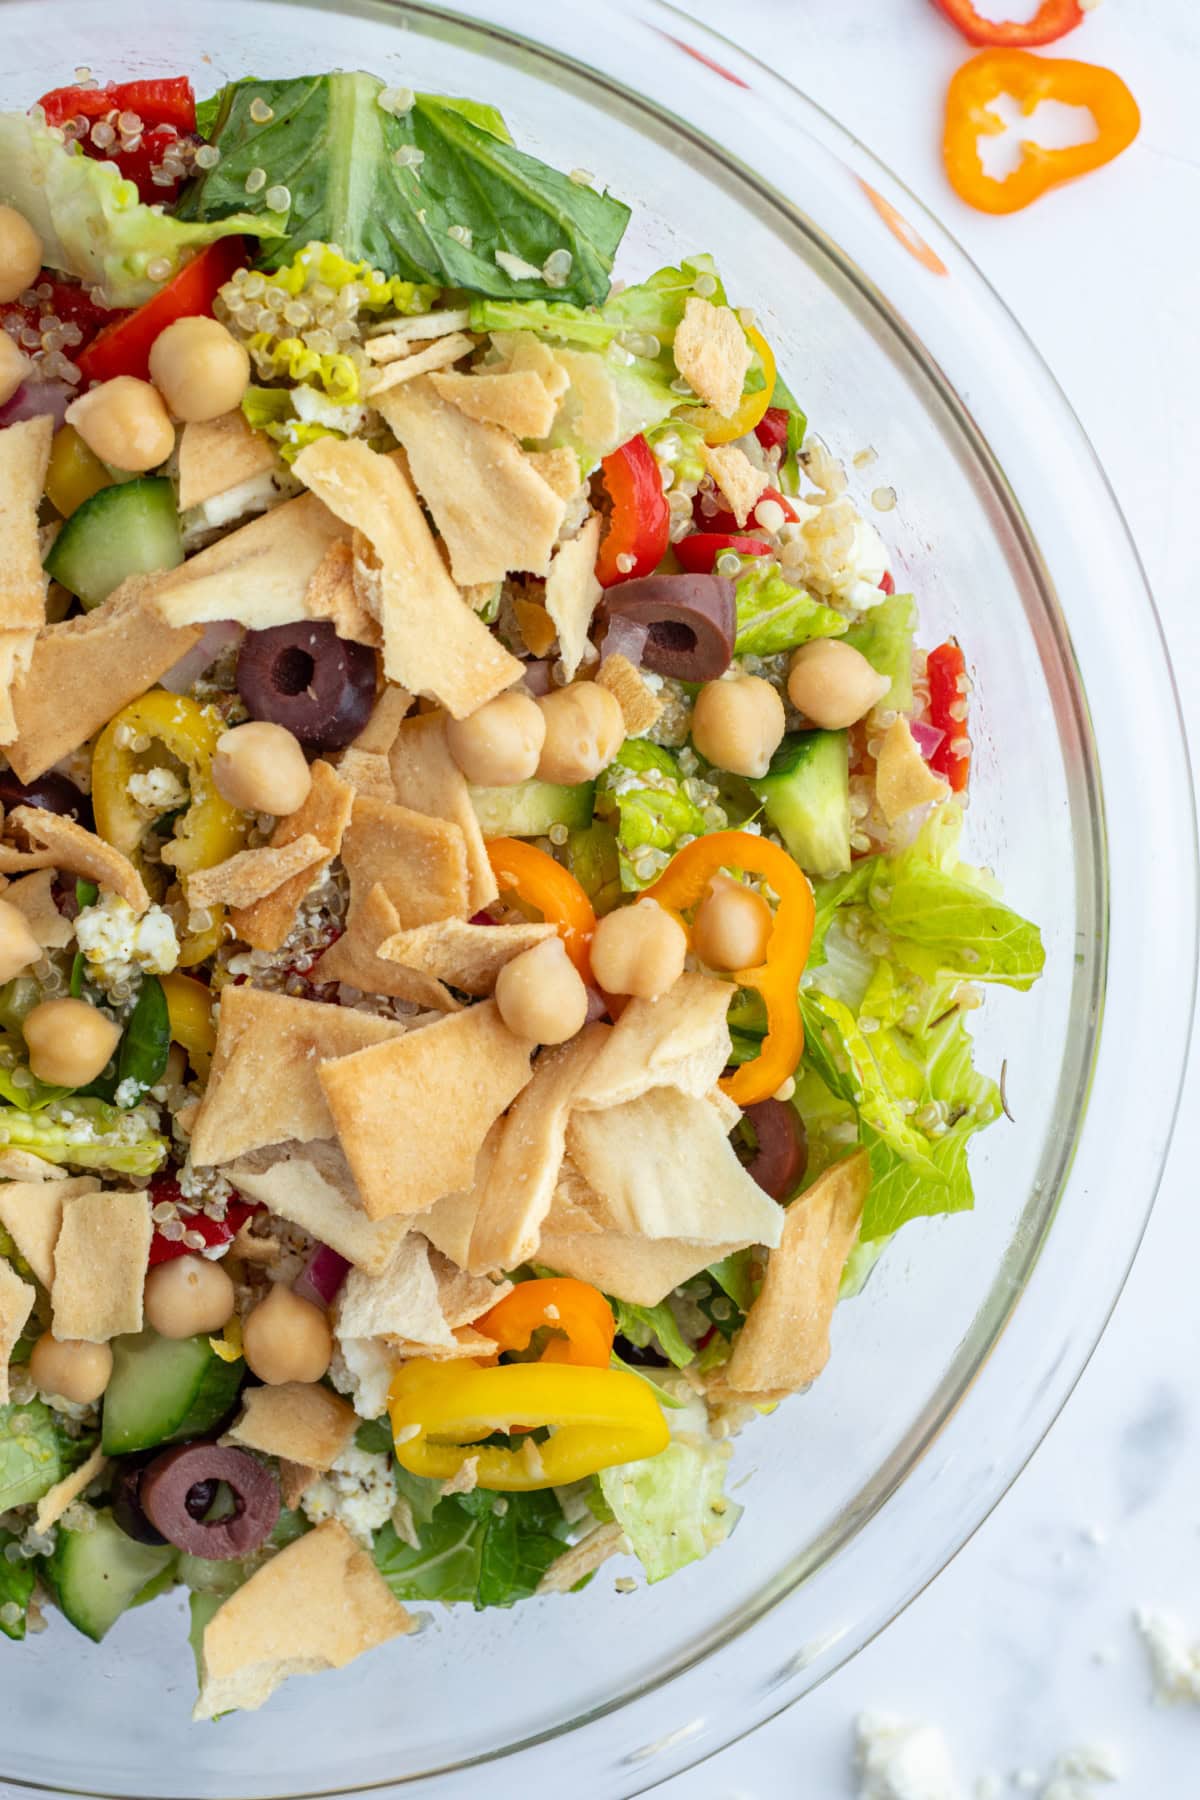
{"x": 531, "y": 807}
{"x": 97, "y": 1574}
{"x": 164, "y": 1390}
{"x": 806, "y": 797}
{"x": 130, "y": 529}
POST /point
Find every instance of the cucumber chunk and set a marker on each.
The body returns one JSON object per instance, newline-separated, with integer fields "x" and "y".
{"x": 531, "y": 807}
{"x": 97, "y": 1574}
{"x": 129, "y": 529}
{"x": 806, "y": 797}
{"x": 164, "y": 1390}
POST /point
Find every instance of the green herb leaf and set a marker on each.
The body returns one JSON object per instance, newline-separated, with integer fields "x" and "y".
{"x": 146, "y": 1042}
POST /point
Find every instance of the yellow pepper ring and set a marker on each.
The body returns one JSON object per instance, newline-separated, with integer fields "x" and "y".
{"x": 751, "y": 408}
{"x": 601, "y": 1417}
{"x": 189, "y": 1009}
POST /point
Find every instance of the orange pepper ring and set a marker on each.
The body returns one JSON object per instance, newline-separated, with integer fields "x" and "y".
{"x": 573, "y": 1308}
{"x": 553, "y": 890}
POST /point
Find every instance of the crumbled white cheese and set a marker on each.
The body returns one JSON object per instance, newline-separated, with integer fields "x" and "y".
{"x": 362, "y": 1369}
{"x": 1076, "y": 1772}
{"x": 257, "y": 494}
{"x": 359, "y": 1490}
{"x": 855, "y": 574}
{"x": 158, "y": 790}
{"x": 899, "y": 1760}
{"x": 1174, "y": 1656}
{"x": 316, "y": 408}
{"x": 115, "y": 942}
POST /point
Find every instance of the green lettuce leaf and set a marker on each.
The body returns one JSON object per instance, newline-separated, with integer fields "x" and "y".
{"x": 636, "y": 396}
{"x": 672, "y": 1507}
{"x": 884, "y": 635}
{"x": 35, "y": 1452}
{"x": 16, "y": 1589}
{"x": 954, "y": 916}
{"x": 643, "y": 790}
{"x": 797, "y": 427}
{"x": 646, "y": 1325}
{"x": 335, "y": 149}
{"x": 483, "y": 1548}
{"x": 772, "y": 615}
{"x": 90, "y": 219}
{"x": 88, "y": 1133}
{"x": 594, "y": 861}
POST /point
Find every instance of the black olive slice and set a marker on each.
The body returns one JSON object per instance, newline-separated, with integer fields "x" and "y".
{"x": 779, "y": 1162}
{"x": 178, "y": 1488}
{"x": 691, "y": 622}
{"x": 53, "y": 793}
{"x": 307, "y": 678}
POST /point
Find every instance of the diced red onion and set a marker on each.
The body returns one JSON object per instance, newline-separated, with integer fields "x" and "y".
{"x": 597, "y": 1007}
{"x": 537, "y": 676}
{"x": 482, "y": 918}
{"x": 322, "y": 1276}
{"x": 35, "y": 399}
{"x": 193, "y": 662}
{"x": 926, "y": 737}
{"x": 625, "y": 637}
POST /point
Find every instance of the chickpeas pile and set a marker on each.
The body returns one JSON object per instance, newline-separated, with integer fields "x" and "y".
{"x": 639, "y": 950}
{"x": 286, "y": 1339}
{"x": 585, "y": 728}
{"x": 124, "y": 423}
{"x": 69, "y": 1042}
{"x": 69, "y": 1369}
{"x": 541, "y": 995}
{"x": 260, "y": 768}
{"x": 738, "y": 724}
{"x": 500, "y": 744}
{"x": 188, "y": 1295}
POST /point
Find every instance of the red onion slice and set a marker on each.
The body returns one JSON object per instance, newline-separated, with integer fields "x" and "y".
{"x": 537, "y": 676}
{"x": 192, "y": 664}
{"x": 625, "y": 637}
{"x": 925, "y": 737}
{"x": 36, "y": 399}
{"x": 322, "y": 1276}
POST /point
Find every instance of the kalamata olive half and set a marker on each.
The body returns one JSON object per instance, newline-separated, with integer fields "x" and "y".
{"x": 691, "y": 622}
{"x": 127, "y": 1503}
{"x": 172, "y": 1499}
{"x": 53, "y": 793}
{"x": 779, "y": 1162}
{"x": 307, "y": 678}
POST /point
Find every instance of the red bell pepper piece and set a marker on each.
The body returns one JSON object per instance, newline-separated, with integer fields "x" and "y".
{"x": 699, "y": 552}
{"x": 165, "y": 1186}
{"x": 166, "y": 108}
{"x": 124, "y": 348}
{"x": 947, "y": 673}
{"x": 1052, "y": 20}
{"x": 69, "y": 304}
{"x": 723, "y": 520}
{"x": 886, "y": 583}
{"x": 772, "y": 429}
{"x": 638, "y": 532}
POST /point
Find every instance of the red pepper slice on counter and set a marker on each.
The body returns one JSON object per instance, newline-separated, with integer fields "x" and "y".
{"x": 1052, "y": 20}
{"x": 638, "y": 531}
{"x": 124, "y": 347}
{"x": 722, "y": 520}
{"x": 772, "y": 429}
{"x": 165, "y": 1186}
{"x": 698, "y": 553}
{"x": 947, "y": 668}
{"x": 166, "y": 108}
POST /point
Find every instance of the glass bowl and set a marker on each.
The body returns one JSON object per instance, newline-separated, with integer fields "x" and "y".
{"x": 973, "y": 1329}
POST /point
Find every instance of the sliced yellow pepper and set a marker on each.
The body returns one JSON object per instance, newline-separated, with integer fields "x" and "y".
{"x": 440, "y": 1410}
{"x": 74, "y": 473}
{"x": 189, "y": 1009}
{"x": 719, "y": 430}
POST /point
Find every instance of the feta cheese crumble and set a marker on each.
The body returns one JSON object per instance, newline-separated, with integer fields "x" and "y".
{"x": 1174, "y": 1656}
{"x": 358, "y": 1490}
{"x": 115, "y": 942}
{"x": 900, "y": 1760}
{"x": 158, "y": 790}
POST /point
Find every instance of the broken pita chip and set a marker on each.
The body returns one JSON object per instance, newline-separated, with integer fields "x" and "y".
{"x": 367, "y": 772}
{"x": 538, "y": 631}
{"x": 573, "y": 593}
{"x": 401, "y": 1301}
{"x": 463, "y": 1298}
{"x": 495, "y": 513}
{"x": 354, "y": 958}
{"x": 249, "y": 876}
{"x": 559, "y": 469}
{"x": 258, "y": 574}
{"x": 310, "y": 1185}
{"x": 712, "y": 354}
{"x": 100, "y": 1262}
{"x": 16, "y": 1303}
{"x": 16, "y": 653}
{"x": 295, "y": 1479}
{"x": 517, "y": 400}
{"x": 263, "y": 1087}
{"x": 521, "y": 1182}
{"x": 218, "y": 454}
{"x": 22, "y": 1165}
{"x": 333, "y": 594}
{"x": 420, "y": 360}
{"x": 583, "y": 1559}
{"x": 379, "y": 733}
{"x": 469, "y": 957}
{"x": 315, "y": 1605}
{"x": 640, "y": 1270}
{"x": 523, "y": 352}
{"x": 639, "y": 706}
{"x": 420, "y": 861}
{"x": 449, "y": 1222}
{"x": 84, "y": 670}
{"x": 71, "y": 850}
{"x": 736, "y": 476}
{"x": 426, "y": 778}
{"x": 24, "y": 457}
{"x": 395, "y": 337}
{"x": 31, "y": 1212}
{"x": 784, "y": 1343}
{"x": 52, "y": 1505}
{"x": 727, "y": 1110}
{"x": 300, "y": 1421}
{"x": 325, "y": 816}
{"x": 903, "y": 779}
{"x": 680, "y": 1040}
{"x": 461, "y": 1073}
{"x": 33, "y": 896}
{"x": 664, "y": 1167}
{"x": 432, "y": 642}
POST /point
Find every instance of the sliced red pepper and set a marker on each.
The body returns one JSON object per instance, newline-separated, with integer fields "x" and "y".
{"x": 699, "y": 552}
{"x": 1052, "y": 20}
{"x": 124, "y": 348}
{"x": 68, "y": 303}
{"x": 170, "y": 101}
{"x": 772, "y": 429}
{"x": 947, "y": 673}
{"x": 165, "y": 1186}
{"x": 139, "y": 165}
{"x": 886, "y": 582}
{"x": 638, "y": 531}
{"x": 723, "y": 520}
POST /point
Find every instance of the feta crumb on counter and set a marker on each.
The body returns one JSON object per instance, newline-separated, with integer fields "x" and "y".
{"x": 115, "y": 942}
{"x": 1174, "y": 1655}
{"x": 358, "y": 1490}
{"x": 900, "y": 1760}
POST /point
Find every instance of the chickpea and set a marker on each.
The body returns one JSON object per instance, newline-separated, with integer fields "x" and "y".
{"x": 501, "y": 743}
{"x": 124, "y": 423}
{"x": 738, "y": 724}
{"x": 69, "y": 1042}
{"x": 638, "y": 950}
{"x": 261, "y": 768}
{"x": 584, "y": 730}
{"x": 18, "y": 946}
{"x": 188, "y": 1295}
{"x": 13, "y": 368}
{"x": 70, "y": 1369}
{"x": 199, "y": 368}
{"x": 731, "y": 926}
{"x": 541, "y": 994}
{"x": 286, "y": 1338}
{"x": 20, "y": 254}
{"x": 833, "y": 684}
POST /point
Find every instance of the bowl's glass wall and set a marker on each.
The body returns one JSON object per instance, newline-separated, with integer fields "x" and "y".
{"x": 813, "y": 1478}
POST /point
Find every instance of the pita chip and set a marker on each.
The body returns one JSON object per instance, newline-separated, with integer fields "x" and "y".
{"x": 71, "y": 850}
{"x": 16, "y": 652}
{"x": 16, "y": 1304}
{"x": 24, "y": 456}
{"x": 469, "y": 957}
{"x": 396, "y": 337}
{"x": 520, "y": 1185}
{"x": 524, "y": 352}
{"x": 315, "y": 1605}
{"x": 379, "y": 733}
{"x": 573, "y": 593}
{"x": 53, "y": 1505}
{"x": 33, "y": 896}
{"x": 432, "y": 642}
{"x": 367, "y": 772}
{"x": 22, "y": 1165}
{"x": 216, "y": 455}
{"x": 903, "y": 779}
{"x": 295, "y": 1479}
{"x": 426, "y": 778}
{"x": 310, "y": 1185}
{"x": 583, "y": 1558}
{"x": 263, "y": 1087}
{"x": 100, "y": 1262}
{"x": 401, "y": 1301}
{"x": 258, "y": 574}
{"x": 517, "y": 400}
{"x": 420, "y": 861}
{"x": 333, "y": 594}
{"x": 639, "y": 706}
{"x": 494, "y": 511}
{"x": 84, "y": 670}
{"x": 559, "y": 469}
{"x": 784, "y": 1343}
{"x": 456, "y": 1076}
{"x": 537, "y": 628}
{"x": 680, "y": 1040}
{"x": 736, "y": 476}
{"x": 712, "y": 354}
{"x": 324, "y": 815}
{"x": 32, "y": 1211}
{"x": 438, "y": 354}
{"x": 449, "y": 1222}
{"x": 354, "y": 958}
{"x": 250, "y": 875}
{"x": 300, "y": 1421}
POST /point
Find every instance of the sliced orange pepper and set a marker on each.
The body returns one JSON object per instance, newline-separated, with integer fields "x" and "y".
{"x": 684, "y": 883}
{"x": 544, "y": 884}
{"x": 752, "y": 407}
{"x": 575, "y": 1310}
{"x": 970, "y": 115}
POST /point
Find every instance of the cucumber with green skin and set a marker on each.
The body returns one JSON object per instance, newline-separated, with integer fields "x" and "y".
{"x": 129, "y": 529}
{"x": 806, "y": 797}
{"x": 96, "y": 1575}
{"x": 164, "y": 1391}
{"x": 530, "y": 808}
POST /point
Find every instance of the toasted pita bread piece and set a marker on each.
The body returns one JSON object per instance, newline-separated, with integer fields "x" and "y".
{"x": 218, "y": 454}
{"x": 310, "y": 1185}
{"x": 31, "y": 1212}
{"x": 426, "y": 777}
{"x": 559, "y": 469}
{"x": 520, "y": 352}
{"x": 680, "y": 1040}
{"x": 33, "y": 896}
{"x": 573, "y": 593}
{"x": 333, "y": 594}
{"x": 903, "y": 779}
{"x": 52, "y": 1505}
{"x": 639, "y": 706}
{"x": 583, "y": 1558}
{"x": 665, "y": 1168}
{"x": 736, "y": 476}
{"x": 295, "y": 1479}
{"x": 712, "y": 354}
{"x": 100, "y": 1262}
{"x": 379, "y": 733}
{"x": 22, "y": 1165}
{"x": 420, "y": 861}
{"x": 258, "y": 574}
{"x": 419, "y": 1299}
{"x": 517, "y": 400}
{"x": 520, "y": 1184}
{"x": 494, "y": 511}
{"x": 24, "y": 456}
{"x": 16, "y": 653}
{"x": 784, "y": 1343}
{"x": 71, "y": 850}
{"x": 300, "y": 1421}
{"x": 355, "y": 958}
{"x": 449, "y": 1222}
{"x": 249, "y": 876}
{"x": 316, "y": 1605}
{"x": 538, "y": 631}
{"x": 396, "y": 337}
{"x": 412, "y": 1116}
{"x": 84, "y": 670}
{"x": 16, "y": 1304}
{"x": 469, "y": 957}
{"x": 367, "y": 772}
{"x": 421, "y": 359}
{"x": 324, "y": 815}
{"x": 263, "y": 1087}
{"x": 432, "y": 642}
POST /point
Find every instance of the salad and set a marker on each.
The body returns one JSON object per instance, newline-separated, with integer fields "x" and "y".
{"x": 486, "y": 959}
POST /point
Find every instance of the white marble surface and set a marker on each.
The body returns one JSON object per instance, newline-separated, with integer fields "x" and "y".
{"x": 1025, "y": 1646}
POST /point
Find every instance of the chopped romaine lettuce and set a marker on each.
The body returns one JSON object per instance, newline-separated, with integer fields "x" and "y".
{"x": 611, "y": 397}
{"x": 594, "y": 861}
{"x": 643, "y": 789}
{"x": 797, "y": 426}
{"x": 646, "y": 1325}
{"x": 884, "y": 635}
{"x": 16, "y": 1589}
{"x": 672, "y": 1507}
{"x": 88, "y": 1133}
{"x": 35, "y": 1452}
{"x": 773, "y": 616}
{"x": 486, "y": 1548}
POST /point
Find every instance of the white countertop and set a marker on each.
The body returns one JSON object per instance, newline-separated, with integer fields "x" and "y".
{"x": 1025, "y": 1647}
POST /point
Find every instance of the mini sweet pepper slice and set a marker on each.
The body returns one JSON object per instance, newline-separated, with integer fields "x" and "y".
{"x": 575, "y": 1311}
{"x": 551, "y": 890}
{"x": 1052, "y": 20}
{"x": 946, "y": 670}
{"x": 638, "y": 530}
